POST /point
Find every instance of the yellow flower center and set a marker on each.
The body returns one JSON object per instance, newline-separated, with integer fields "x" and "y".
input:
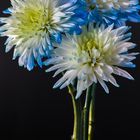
{"x": 32, "y": 21}
{"x": 89, "y": 52}
{"x": 113, "y": 4}
{"x": 108, "y": 4}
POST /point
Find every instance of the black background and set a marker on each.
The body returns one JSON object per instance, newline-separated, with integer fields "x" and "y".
{"x": 31, "y": 109}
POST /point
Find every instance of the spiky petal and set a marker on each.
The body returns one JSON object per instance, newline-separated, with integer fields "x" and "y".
{"x": 34, "y": 25}
{"x": 112, "y": 11}
{"x": 94, "y": 56}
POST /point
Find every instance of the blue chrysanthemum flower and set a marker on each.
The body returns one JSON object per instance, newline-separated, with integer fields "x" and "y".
{"x": 33, "y": 27}
{"x": 112, "y": 11}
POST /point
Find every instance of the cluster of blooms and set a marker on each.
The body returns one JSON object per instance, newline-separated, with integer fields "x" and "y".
{"x": 87, "y": 40}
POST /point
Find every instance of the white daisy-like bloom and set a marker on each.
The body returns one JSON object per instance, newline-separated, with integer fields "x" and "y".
{"x": 33, "y": 26}
{"x": 94, "y": 56}
{"x": 116, "y": 4}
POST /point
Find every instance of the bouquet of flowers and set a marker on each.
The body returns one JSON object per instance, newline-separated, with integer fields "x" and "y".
{"x": 84, "y": 41}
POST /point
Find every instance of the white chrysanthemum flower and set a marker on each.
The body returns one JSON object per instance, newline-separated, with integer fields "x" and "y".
{"x": 92, "y": 57}
{"x": 116, "y": 4}
{"x": 33, "y": 26}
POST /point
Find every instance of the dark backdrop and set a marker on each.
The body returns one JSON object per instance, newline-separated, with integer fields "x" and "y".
{"x": 31, "y": 109}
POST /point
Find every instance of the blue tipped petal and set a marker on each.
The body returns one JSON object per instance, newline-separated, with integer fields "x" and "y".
{"x": 30, "y": 63}
{"x": 57, "y": 37}
{"x": 39, "y": 61}
{"x": 107, "y": 12}
{"x": 7, "y": 11}
{"x": 129, "y": 65}
{"x": 34, "y": 28}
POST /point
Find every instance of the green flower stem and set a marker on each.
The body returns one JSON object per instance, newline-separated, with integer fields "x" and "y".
{"x": 77, "y": 131}
{"x": 92, "y": 114}
{"x": 86, "y": 113}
